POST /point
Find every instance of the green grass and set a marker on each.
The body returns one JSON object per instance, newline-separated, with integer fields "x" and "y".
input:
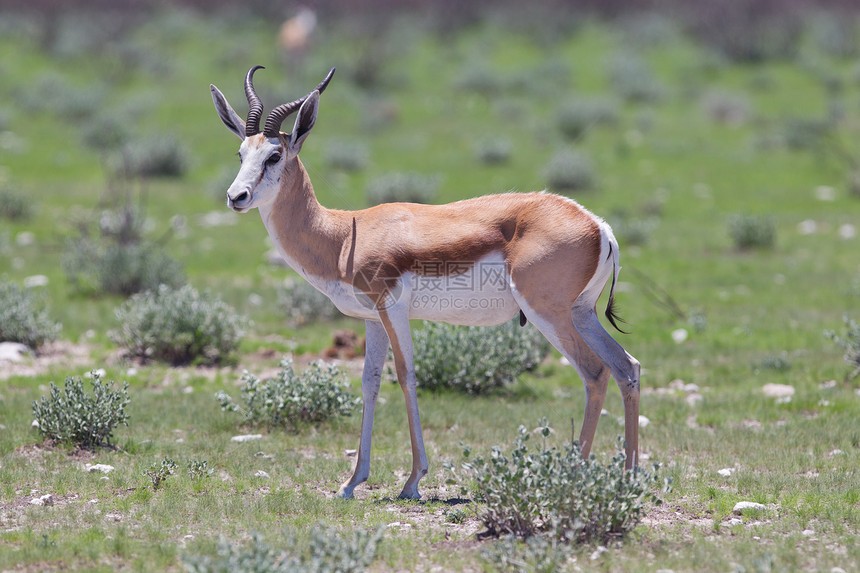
{"x": 757, "y": 304}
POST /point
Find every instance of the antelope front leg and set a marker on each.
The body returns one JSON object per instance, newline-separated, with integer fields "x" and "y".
{"x": 396, "y": 322}
{"x": 376, "y": 348}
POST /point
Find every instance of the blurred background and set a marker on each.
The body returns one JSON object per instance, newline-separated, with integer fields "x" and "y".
{"x": 718, "y": 138}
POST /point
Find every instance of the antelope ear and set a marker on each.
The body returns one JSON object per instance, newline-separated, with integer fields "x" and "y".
{"x": 230, "y": 118}
{"x": 305, "y": 120}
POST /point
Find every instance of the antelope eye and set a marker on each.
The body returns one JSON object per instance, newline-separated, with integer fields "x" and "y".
{"x": 273, "y": 159}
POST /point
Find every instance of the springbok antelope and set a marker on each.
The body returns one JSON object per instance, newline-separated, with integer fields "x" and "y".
{"x": 538, "y": 254}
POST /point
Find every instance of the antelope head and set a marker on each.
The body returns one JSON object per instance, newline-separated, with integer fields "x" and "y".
{"x": 265, "y": 155}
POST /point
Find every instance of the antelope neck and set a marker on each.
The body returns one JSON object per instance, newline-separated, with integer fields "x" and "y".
{"x": 306, "y": 234}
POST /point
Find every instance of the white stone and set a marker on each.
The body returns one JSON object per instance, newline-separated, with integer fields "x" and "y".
{"x": 734, "y": 521}
{"x": 604, "y": 412}
{"x": 262, "y": 474}
{"x": 46, "y": 499}
{"x": 693, "y": 398}
{"x": 676, "y": 384}
{"x": 825, "y": 193}
{"x": 25, "y": 239}
{"x": 104, "y": 478}
{"x": 34, "y": 424}
{"x": 34, "y": 281}
{"x": 564, "y": 361}
{"x": 246, "y": 438}
{"x": 847, "y": 231}
{"x": 808, "y": 532}
{"x": 691, "y": 387}
{"x": 726, "y": 472}
{"x": 827, "y": 385}
{"x": 643, "y": 421}
{"x": 597, "y": 552}
{"x": 13, "y": 351}
{"x": 836, "y": 452}
{"x": 104, "y": 468}
{"x": 742, "y": 505}
{"x": 350, "y": 452}
{"x": 680, "y": 335}
{"x": 807, "y": 227}
{"x": 131, "y": 372}
{"x": 777, "y": 390}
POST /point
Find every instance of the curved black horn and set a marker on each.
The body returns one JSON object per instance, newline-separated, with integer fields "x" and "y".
{"x": 282, "y": 112}
{"x": 255, "y": 111}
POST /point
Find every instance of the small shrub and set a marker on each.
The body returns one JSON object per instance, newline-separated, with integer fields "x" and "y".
{"x": 575, "y": 118}
{"x": 836, "y": 34}
{"x": 86, "y": 420}
{"x": 158, "y": 473}
{"x": 320, "y": 392}
{"x": 850, "y": 343}
{"x": 159, "y": 156}
{"x": 632, "y": 79}
{"x": 806, "y": 134}
{"x": 14, "y": 205}
{"x": 401, "y": 187}
{"x": 347, "y": 156}
{"x": 304, "y": 304}
{"x": 569, "y": 171}
{"x": 557, "y": 492}
{"x": 479, "y": 78}
{"x": 117, "y": 258}
{"x": 116, "y": 268}
{"x": 328, "y": 550}
{"x": 726, "y": 108}
{"x": 752, "y": 231}
{"x": 475, "y": 359}
{"x": 20, "y": 321}
{"x": 494, "y": 151}
{"x": 199, "y": 469}
{"x": 178, "y": 326}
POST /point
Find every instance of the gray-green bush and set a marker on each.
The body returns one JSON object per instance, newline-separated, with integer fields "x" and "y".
{"x": 328, "y": 551}
{"x": 21, "y": 320}
{"x": 752, "y": 231}
{"x": 157, "y": 156}
{"x": 116, "y": 257}
{"x": 290, "y": 400}
{"x": 494, "y": 150}
{"x": 568, "y": 171}
{"x": 401, "y": 187}
{"x": 557, "y": 492}
{"x": 850, "y": 343}
{"x": 303, "y": 303}
{"x": 178, "y": 326}
{"x": 347, "y": 155}
{"x": 475, "y": 359}
{"x": 74, "y": 416}
{"x": 14, "y": 205}
{"x": 576, "y": 117}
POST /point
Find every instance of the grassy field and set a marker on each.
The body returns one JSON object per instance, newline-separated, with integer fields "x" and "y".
{"x": 693, "y": 140}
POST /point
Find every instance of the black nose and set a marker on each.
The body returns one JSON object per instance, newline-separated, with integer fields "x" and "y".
{"x": 240, "y": 197}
